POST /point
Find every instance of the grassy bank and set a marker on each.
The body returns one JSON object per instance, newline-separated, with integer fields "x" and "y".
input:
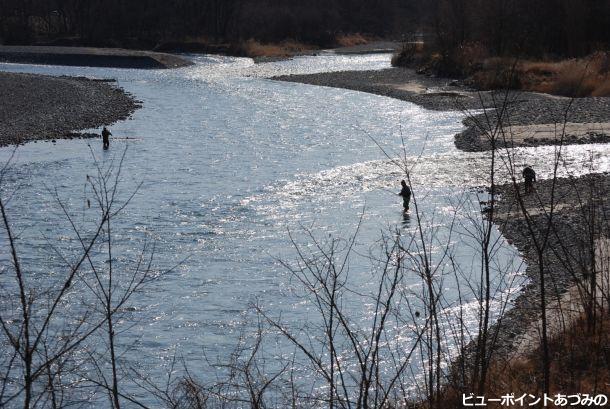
{"x": 587, "y": 76}
{"x": 577, "y": 77}
{"x": 580, "y": 365}
{"x": 284, "y": 49}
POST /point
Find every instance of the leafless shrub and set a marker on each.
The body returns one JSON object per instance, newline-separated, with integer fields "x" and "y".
{"x": 51, "y": 325}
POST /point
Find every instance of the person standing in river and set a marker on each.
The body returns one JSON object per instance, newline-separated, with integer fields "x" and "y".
{"x": 530, "y": 177}
{"x": 106, "y": 137}
{"x": 405, "y": 192}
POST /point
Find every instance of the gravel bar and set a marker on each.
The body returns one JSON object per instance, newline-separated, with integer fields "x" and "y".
{"x": 38, "y": 107}
{"x": 442, "y": 94}
{"x": 91, "y": 57}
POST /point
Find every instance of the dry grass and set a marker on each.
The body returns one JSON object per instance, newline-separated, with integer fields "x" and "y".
{"x": 583, "y": 77}
{"x": 576, "y": 77}
{"x": 253, "y": 48}
{"x": 496, "y": 73}
{"x": 350, "y": 40}
{"x": 469, "y": 56}
{"x": 411, "y": 53}
{"x": 580, "y": 364}
{"x": 602, "y": 90}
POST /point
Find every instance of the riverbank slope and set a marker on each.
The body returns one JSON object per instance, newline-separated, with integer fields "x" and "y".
{"x": 561, "y": 229}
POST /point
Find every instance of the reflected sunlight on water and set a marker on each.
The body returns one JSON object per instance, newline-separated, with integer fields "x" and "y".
{"x": 229, "y": 162}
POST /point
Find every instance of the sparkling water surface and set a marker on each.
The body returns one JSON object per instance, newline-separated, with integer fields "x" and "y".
{"x": 230, "y": 162}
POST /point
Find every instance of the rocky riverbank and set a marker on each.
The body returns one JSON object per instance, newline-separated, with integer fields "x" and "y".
{"x": 38, "y": 107}
{"x": 518, "y": 108}
{"x": 579, "y": 218}
{"x": 565, "y": 235}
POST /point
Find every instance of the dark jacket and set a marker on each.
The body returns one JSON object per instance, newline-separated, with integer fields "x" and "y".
{"x": 529, "y": 174}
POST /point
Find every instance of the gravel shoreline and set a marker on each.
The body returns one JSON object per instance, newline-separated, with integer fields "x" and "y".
{"x": 40, "y": 107}
{"x": 442, "y": 94}
{"x": 91, "y": 57}
{"x": 567, "y": 255}
{"x": 569, "y": 223}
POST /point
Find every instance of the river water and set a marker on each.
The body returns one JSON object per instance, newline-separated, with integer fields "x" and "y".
{"x": 231, "y": 162}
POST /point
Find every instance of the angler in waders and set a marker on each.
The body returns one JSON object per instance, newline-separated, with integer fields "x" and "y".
{"x": 106, "y": 137}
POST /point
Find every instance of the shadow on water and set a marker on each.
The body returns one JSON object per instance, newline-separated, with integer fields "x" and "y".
{"x": 406, "y": 219}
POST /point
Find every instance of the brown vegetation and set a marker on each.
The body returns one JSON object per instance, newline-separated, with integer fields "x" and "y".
{"x": 560, "y": 28}
{"x": 580, "y": 362}
{"x": 481, "y": 40}
{"x": 350, "y": 40}
{"x": 579, "y": 77}
{"x": 575, "y": 77}
{"x": 253, "y": 48}
{"x": 410, "y": 54}
{"x": 587, "y": 76}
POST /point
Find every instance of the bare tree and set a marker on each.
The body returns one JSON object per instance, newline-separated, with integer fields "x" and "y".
{"x": 48, "y": 323}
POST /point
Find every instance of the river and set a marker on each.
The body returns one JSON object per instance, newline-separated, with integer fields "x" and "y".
{"x": 231, "y": 162}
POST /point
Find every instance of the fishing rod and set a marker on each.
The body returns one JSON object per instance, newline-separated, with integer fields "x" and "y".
{"x": 389, "y": 191}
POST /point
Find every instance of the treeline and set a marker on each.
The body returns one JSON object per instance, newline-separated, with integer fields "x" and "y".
{"x": 499, "y": 27}
{"x": 145, "y": 23}
{"x": 532, "y": 28}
